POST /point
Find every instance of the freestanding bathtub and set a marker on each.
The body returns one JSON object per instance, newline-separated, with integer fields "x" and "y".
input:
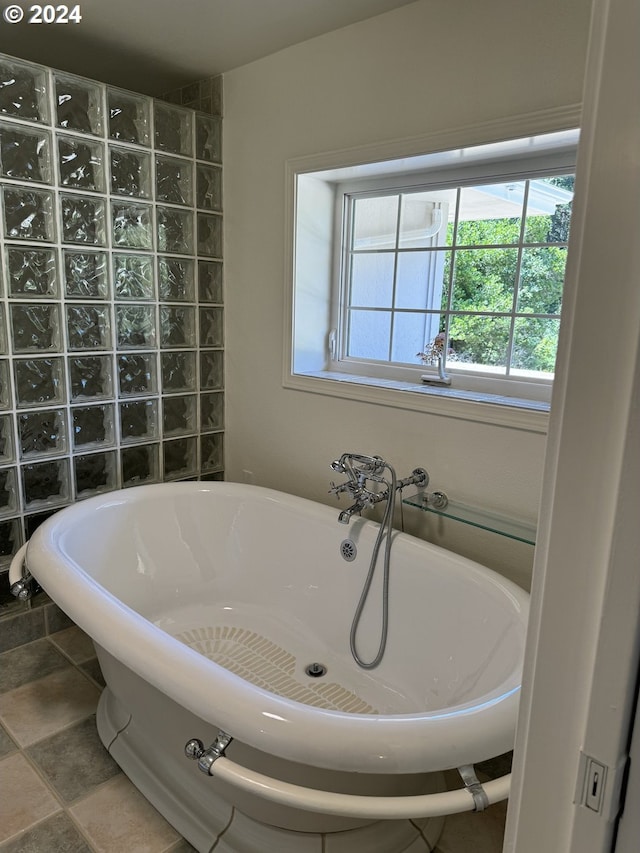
{"x": 207, "y": 603}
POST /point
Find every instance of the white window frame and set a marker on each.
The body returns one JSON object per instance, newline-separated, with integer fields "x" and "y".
{"x": 314, "y": 266}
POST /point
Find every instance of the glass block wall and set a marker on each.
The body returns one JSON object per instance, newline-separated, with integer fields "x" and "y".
{"x": 111, "y": 324}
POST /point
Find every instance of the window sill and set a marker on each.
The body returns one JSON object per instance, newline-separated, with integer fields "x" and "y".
{"x": 511, "y": 412}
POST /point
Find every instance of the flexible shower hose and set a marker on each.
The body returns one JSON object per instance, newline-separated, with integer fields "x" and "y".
{"x": 386, "y": 527}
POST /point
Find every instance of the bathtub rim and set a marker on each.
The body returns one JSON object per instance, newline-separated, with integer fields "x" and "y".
{"x": 481, "y": 729}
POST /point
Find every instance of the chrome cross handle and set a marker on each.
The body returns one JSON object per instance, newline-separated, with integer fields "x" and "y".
{"x": 195, "y": 750}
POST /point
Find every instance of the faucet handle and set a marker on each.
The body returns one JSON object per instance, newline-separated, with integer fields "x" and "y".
{"x": 337, "y": 489}
{"x": 352, "y": 488}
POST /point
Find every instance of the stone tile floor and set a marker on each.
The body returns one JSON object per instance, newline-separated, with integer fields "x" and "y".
{"x": 63, "y": 793}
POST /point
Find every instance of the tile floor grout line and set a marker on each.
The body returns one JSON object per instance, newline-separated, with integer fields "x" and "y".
{"x": 22, "y": 645}
{"x": 78, "y": 664}
{"x": 78, "y": 826}
{"x": 44, "y": 638}
{"x": 63, "y": 728}
{"x": 11, "y": 738}
{"x": 88, "y": 677}
{"x": 9, "y": 731}
{"x": 81, "y": 832}
{"x": 95, "y": 789}
{"x": 26, "y": 646}
{"x": 173, "y": 846}
{"x": 48, "y": 639}
{"x": 34, "y": 767}
{"x": 63, "y": 807}
{"x": 42, "y": 677}
{"x": 80, "y": 829}
{"x": 16, "y": 835}
{"x": 65, "y": 653}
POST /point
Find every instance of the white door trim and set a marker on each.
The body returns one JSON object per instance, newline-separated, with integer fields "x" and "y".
{"x": 582, "y": 641}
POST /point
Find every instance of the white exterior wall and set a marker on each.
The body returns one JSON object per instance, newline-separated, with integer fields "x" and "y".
{"x": 427, "y": 67}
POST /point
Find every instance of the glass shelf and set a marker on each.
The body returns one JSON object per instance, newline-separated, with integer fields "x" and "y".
{"x": 512, "y": 528}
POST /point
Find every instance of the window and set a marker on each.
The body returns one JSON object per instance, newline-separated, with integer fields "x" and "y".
{"x": 470, "y": 274}
{"x": 456, "y": 257}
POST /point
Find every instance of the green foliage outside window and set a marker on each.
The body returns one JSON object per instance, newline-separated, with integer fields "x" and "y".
{"x": 484, "y": 281}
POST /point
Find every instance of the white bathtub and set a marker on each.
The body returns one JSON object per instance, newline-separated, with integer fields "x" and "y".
{"x": 206, "y": 603}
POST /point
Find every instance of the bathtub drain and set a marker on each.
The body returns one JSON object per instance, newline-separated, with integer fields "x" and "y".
{"x": 348, "y": 550}
{"x": 260, "y": 661}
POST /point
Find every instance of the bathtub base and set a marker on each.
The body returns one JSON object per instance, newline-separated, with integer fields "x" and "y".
{"x": 145, "y": 733}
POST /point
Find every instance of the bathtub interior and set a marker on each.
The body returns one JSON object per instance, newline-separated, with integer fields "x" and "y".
{"x": 229, "y": 572}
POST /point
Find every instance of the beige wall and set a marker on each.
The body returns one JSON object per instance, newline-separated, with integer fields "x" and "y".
{"x": 427, "y": 67}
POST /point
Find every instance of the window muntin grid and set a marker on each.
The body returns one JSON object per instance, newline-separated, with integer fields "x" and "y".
{"x": 401, "y": 284}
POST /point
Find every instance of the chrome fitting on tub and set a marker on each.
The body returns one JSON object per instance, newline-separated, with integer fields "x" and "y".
{"x": 360, "y": 469}
{"x": 19, "y": 577}
{"x": 195, "y": 750}
{"x": 474, "y": 787}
